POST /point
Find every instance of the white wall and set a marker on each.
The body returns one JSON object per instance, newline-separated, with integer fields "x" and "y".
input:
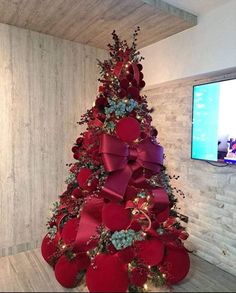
{"x": 209, "y": 46}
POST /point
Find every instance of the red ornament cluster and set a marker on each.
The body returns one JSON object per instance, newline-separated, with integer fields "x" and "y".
{"x": 115, "y": 222}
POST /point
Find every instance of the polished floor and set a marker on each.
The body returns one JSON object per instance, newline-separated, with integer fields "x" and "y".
{"x": 27, "y": 272}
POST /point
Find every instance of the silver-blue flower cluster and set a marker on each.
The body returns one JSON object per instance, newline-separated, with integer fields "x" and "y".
{"x": 121, "y": 108}
{"x": 125, "y": 238}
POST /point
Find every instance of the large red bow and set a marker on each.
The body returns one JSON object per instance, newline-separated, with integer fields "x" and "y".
{"x": 123, "y": 162}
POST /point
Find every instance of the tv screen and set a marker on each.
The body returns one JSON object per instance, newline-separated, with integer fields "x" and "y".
{"x": 214, "y": 121}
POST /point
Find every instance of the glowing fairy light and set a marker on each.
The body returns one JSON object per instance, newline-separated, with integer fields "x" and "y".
{"x": 145, "y": 286}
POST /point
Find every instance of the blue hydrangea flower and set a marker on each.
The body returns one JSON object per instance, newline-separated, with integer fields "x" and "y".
{"x": 124, "y": 238}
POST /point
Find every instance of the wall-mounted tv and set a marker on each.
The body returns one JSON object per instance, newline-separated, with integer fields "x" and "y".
{"x": 214, "y": 121}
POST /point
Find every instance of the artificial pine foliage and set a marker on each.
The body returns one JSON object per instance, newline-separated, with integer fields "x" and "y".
{"x": 116, "y": 222}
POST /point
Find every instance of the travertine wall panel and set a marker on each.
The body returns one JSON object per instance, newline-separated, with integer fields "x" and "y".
{"x": 45, "y": 85}
{"x": 210, "y": 201}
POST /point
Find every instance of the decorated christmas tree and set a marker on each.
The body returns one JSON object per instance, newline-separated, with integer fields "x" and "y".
{"x": 116, "y": 225}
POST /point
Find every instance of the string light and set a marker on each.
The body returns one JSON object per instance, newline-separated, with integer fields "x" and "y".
{"x": 136, "y": 200}
{"x": 145, "y": 286}
{"x": 63, "y": 246}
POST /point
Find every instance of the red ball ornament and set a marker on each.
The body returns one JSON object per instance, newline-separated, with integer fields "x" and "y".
{"x": 69, "y": 231}
{"x": 66, "y": 270}
{"x": 48, "y": 248}
{"x": 77, "y": 193}
{"x": 124, "y": 83}
{"x": 122, "y": 93}
{"x": 129, "y": 77}
{"x": 126, "y": 255}
{"x": 140, "y": 66}
{"x": 134, "y": 83}
{"x": 76, "y": 156}
{"x": 163, "y": 215}
{"x": 143, "y": 135}
{"x": 74, "y": 169}
{"x": 115, "y": 216}
{"x": 101, "y": 102}
{"x": 101, "y": 88}
{"x": 151, "y": 251}
{"x": 133, "y": 91}
{"x": 79, "y": 141}
{"x": 176, "y": 264}
{"x": 140, "y": 76}
{"x": 142, "y": 84}
{"x": 83, "y": 176}
{"x": 138, "y": 276}
{"x": 107, "y": 274}
{"x": 75, "y": 149}
{"x": 128, "y": 129}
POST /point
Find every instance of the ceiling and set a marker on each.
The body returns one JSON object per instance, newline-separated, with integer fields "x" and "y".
{"x": 197, "y": 7}
{"x": 92, "y": 21}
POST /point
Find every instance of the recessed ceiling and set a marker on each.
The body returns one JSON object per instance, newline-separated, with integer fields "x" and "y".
{"x": 92, "y": 21}
{"x": 198, "y": 7}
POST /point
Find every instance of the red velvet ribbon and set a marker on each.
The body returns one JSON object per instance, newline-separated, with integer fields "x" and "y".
{"x": 136, "y": 72}
{"x": 90, "y": 219}
{"x": 118, "y": 68}
{"x": 124, "y": 162}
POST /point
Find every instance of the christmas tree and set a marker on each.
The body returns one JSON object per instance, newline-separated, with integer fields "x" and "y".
{"x": 116, "y": 225}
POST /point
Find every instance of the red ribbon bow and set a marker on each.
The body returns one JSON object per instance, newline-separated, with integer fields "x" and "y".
{"x": 119, "y": 66}
{"x": 124, "y": 162}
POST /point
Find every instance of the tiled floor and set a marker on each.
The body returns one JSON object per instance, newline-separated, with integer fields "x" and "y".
{"x": 27, "y": 272}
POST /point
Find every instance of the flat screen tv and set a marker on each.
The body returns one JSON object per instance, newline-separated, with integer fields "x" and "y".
{"x": 214, "y": 122}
